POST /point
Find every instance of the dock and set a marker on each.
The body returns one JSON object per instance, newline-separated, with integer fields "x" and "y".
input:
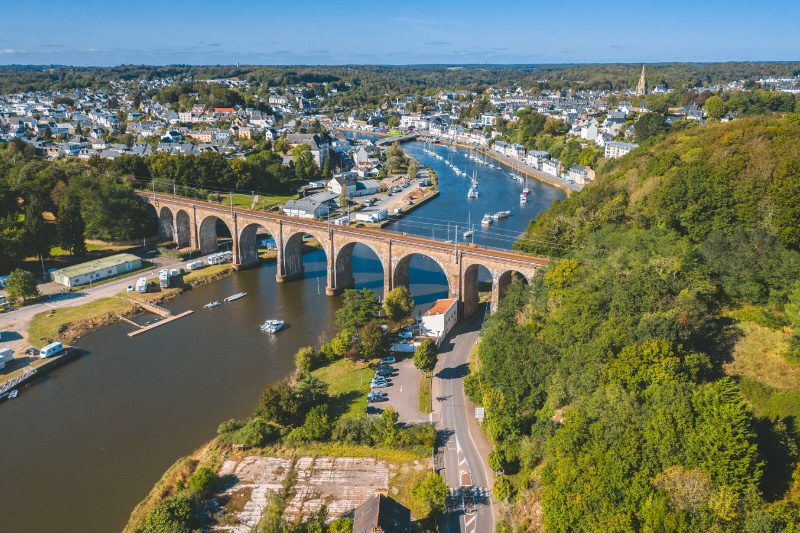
{"x": 164, "y": 313}
{"x": 166, "y": 320}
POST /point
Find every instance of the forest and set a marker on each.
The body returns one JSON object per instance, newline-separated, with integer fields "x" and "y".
{"x": 650, "y": 378}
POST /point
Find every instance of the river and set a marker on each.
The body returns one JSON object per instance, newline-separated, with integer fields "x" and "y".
{"x": 81, "y": 447}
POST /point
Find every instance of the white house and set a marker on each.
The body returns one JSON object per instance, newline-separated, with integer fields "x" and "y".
{"x": 552, "y": 167}
{"x": 589, "y": 130}
{"x": 371, "y": 215}
{"x": 615, "y": 149}
{"x": 314, "y": 206}
{"x": 439, "y": 319}
{"x": 580, "y": 174}
{"x": 536, "y": 157}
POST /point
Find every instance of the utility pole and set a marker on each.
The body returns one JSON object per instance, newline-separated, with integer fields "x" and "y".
{"x": 231, "y": 196}
{"x": 174, "y": 190}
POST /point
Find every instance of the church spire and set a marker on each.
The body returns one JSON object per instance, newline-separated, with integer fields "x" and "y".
{"x": 641, "y": 89}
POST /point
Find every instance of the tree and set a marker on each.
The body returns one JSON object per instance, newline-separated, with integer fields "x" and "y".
{"x": 341, "y": 343}
{"x": 344, "y": 198}
{"x": 70, "y": 226}
{"x": 310, "y": 391}
{"x": 173, "y": 515}
{"x": 398, "y": 303}
{"x": 503, "y": 489}
{"x": 359, "y": 306}
{"x": 649, "y": 125}
{"x": 425, "y": 356}
{"x": 316, "y": 427}
{"x": 202, "y": 482}
{"x": 792, "y": 307}
{"x": 371, "y": 341}
{"x": 304, "y": 360}
{"x": 714, "y": 107}
{"x": 21, "y": 285}
{"x": 431, "y": 492}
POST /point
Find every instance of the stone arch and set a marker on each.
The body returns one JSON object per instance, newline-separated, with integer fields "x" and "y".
{"x": 292, "y": 256}
{"x": 505, "y": 279}
{"x": 166, "y": 223}
{"x": 183, "y": 229}
{"x": 401, "y": 278}
{"x": 474, "y": 277}
{"x": 249, "y": 242}
{"x": 210, "y": 232}
{"x": 345, "y": 278}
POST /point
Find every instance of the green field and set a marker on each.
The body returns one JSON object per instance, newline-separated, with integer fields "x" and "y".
{"x": 48, "y": 325}
{"x": 348, "y": 385}
{"x": 245, "y": 200}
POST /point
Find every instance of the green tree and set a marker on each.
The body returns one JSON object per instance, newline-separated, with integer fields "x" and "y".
{"x": 425, "y": 356}
{"x": 359, "y": 306}
{"x": 342, "y": 343}
{"x": 714, "y": 107}
{"x": 792, "y": 307}
{"x": 371, "y": 340}
{"x": 316, "y": 427}
{"x": 21, "y": 285}
{"x": 341, "y": 525}
{"x": 398, "y": 303}
{"x": 431, "y": 492}
{"x": 171, "y": 515}
{"x": 649, "y": 125}
{"x": 304, "y": 360}
{"x": 503, "y": 489}
{"x": 70, "y": 226}
{"x": 202, "y": 482}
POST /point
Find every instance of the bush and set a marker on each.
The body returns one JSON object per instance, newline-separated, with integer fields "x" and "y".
{"x": 503, "y": 489}
{"x": 172, "y": 515}
{"x": 431, "y": 492}
{"x": 317, "y": 426}
{"x": 304, "y": 360}
{"x": 21, "y": 285}
{"x": 202, "y": 482}
{"x": 251, "y": 434}
{"x": 341, "y": 525}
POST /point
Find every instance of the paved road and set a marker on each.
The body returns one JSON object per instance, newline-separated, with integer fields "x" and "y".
{"x": 14, "y": 324}
{"x": 463, "y": 447}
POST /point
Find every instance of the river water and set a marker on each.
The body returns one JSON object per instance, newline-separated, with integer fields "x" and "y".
{"x": 81, "y": 447}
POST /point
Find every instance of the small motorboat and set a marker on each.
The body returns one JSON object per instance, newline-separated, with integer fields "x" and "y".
{"x": 272, "y": 326}
{"x": 236, "y": 296}
{"x": 487, "y": 219}
{"x": 467, "y": 234}
{"x": 502, "y": 214}
{"x": 211, "y": 305}
{"x": 523, "y": 199}
{"x": 473, "y": 193}
{"x": 13, "y": 394}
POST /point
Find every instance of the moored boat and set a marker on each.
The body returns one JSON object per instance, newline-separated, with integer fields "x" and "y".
{"x": 236, "y": 296}
{"x": 273, "y": 325}
{"x": 211, "y": 305}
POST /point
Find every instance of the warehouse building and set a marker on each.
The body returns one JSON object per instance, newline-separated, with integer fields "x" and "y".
{"x": 96, "y": 270}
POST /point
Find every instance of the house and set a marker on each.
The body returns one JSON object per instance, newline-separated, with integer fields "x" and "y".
{"x": 317, "y": 143}
{"x": 381, "y": 514}
{"x": 185, "y": 116}
{"x": 96, "y": 270}
{"x": 552, "y": 167}
{"x": 353, "y": 185}
{"x": 615, "y": 149}
{"x": 315, "y": 206}
{"x": 439, "y": 319}
{"x": 589, "y": 130}
{"x": 580, "y": 174}
{"x": 536, "y": 157}
{"x": 361, "y": 157}
{"x": 500, "y": 147}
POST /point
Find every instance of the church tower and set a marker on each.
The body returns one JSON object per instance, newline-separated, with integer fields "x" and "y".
{"x": 641, "y": 89}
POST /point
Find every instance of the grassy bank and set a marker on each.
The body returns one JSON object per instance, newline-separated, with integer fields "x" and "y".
{"x": 348, "y": 385}
{"x": 70, "y": 323}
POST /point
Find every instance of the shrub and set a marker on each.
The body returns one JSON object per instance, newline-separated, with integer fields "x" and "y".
{"x": 304, "y": 360}
{"x": 202, "y": 482}
{"x": 251, "y": 434}
{"x": 431, "y": 492}
{"x": 341, "y": 525}
{"x": 317, "y": 426}
{"x": 503, "y": 489}
{"x": 173, "y": 515}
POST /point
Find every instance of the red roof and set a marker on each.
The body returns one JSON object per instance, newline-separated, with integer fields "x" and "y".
{"x": 224, "y": 110}
{"x": 441, "y": 306}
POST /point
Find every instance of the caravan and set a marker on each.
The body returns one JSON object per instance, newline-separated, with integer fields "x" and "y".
{"x": 51, "y": 349}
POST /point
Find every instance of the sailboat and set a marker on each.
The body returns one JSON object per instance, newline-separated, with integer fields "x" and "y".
{"x": 525, "y": 191}
{"x": 467, "y": 234}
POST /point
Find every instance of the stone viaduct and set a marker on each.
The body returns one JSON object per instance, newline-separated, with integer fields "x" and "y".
{"x": 193, "y": 223}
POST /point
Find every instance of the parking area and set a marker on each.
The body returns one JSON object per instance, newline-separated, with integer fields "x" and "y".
{"x": 403, "y": 392}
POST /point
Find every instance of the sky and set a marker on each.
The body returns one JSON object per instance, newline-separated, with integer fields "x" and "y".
{"x": 311, "y": 32}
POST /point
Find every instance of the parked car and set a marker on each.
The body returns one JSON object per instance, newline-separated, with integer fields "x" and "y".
{"x": 130, "y": 288}
{"x": 384, "y": 372}
{"x": 32, "y": 351}
{"x": 389, "y": 360}
{"x": 379, "y": 383}
{"x": 372, "y": 410}
{"x": 376, "y": 396}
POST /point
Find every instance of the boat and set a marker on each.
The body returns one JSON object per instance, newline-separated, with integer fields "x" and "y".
{"x": 502, "y": 214}
{"x": 473, "y": 193}
{"x": 272, "y": 325}
{"x": 211, "y": 305}
{"x": 487, "y": 219}
{"x": 236, "y": 296}
{"x": 13, "y": 394}
{"x": 467, "y": 234}
{"x": 523, "y": 199}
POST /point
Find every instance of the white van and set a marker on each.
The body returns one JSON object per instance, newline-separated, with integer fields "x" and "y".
{"x": 51, "y": 349}
{"x": 194, "y": 265}
{"x": 141, "y": 285}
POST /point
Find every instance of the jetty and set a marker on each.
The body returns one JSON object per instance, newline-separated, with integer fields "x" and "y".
{"x": 164, "y": 313}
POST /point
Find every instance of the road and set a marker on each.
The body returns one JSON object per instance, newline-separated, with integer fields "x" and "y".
{"x": 14, "y": 324}
{"x": 463, "y": 447}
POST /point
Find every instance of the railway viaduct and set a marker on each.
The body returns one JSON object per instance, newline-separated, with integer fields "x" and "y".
{"x": 193, "y": 223}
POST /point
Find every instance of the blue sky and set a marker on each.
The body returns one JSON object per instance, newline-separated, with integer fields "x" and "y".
{"x": 110, "y": 32}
